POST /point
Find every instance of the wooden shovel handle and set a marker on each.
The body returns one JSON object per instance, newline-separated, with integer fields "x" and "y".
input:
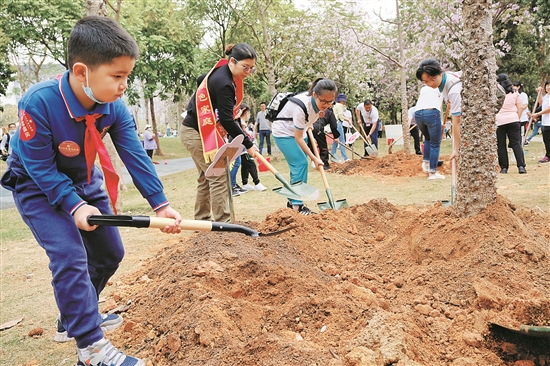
{"x": 316, "y": 152}
{"x": 264, "y": 161}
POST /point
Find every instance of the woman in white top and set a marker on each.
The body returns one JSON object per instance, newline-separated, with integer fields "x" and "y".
{"x": 508, "y": 124}
{"x": 431, "y": 74}
{"x": 545, "y": 121}
{"x": 289, "y": 131}
{"x": 428, "y": 118}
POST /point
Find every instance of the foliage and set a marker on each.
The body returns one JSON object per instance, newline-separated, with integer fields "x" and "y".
{"x": 40, "y": 28}
{"x": 165, "y": 67}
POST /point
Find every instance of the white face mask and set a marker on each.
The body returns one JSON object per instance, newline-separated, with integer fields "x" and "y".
{"x": 12, "y": 132}
{"x": 88, "y": 91}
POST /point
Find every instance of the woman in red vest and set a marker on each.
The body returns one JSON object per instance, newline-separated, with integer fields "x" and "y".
{"x": 210, "y": 115}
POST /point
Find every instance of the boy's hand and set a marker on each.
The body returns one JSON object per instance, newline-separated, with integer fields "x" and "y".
{"x": 81, "y": 217}
{"x": 169, "y": 212}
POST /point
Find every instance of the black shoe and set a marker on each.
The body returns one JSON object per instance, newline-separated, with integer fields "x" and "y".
{"x": 235, "y": 192}
{"x": 522, "y": 170}
{"x": 288, "y": 204}
{"x": 326, "y": 167}
{"x": 304, "y": 210}
{"x": 503, "y": 170}
{"x": 239, "y": 189}
{"x": 526, "y": 143}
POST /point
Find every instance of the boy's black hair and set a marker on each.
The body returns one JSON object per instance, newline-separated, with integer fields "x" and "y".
{"x": 97, "y": 40}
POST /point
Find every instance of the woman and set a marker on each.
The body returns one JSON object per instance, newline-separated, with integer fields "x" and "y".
{"x": 431, "y": 74}
{"x": 149, "y": 142}
{"x": 524, "y": 119}
{"x": 427, "y": 114}
{"x": 545, "y": 121}
{"x": 290, "y": 130}
{"x": 508, "y": 124}
{"x": 217, "y": 98}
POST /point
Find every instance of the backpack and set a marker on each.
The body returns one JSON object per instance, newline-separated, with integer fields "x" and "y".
{"x": 278, "y": 102}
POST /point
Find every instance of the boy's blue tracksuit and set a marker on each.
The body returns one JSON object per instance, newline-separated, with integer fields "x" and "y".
{"x": 47, "y": 174}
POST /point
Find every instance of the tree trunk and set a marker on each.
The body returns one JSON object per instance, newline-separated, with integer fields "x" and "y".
{"x": 154, "y": 124}
{"x": 476, "y": 179}
{"x": 403, "y": 86}
{"x": 96, "y": 7}
{"x": 267, "y": 51}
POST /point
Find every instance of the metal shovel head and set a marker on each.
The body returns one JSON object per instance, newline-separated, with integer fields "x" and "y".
{"x": 299, "y": 191}
{"x": 371, "y": 150}
{"x": 338, "y": 204}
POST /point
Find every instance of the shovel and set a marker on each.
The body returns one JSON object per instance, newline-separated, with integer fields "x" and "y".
{"x": 296, "y": 191}
{"x": 335, "y": 205}
{"x": 399, "y": 138}
{"x": 160, "y": 222}
{"x": 527, "y": 330}
{"x": 453, "y": 183}
{"x": 347, "y": 147}
{"x": 370, "y": 149}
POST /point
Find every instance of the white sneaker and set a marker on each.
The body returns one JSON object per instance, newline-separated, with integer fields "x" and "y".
{"x": 426, "y": 166}
{"x": 259, "y": 187}
{"x": 102, "y": 353}
{"x": 436, "y": 175}
{"x": 248, "y": 187}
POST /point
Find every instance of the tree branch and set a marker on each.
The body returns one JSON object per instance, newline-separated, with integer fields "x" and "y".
{"x": 391, "y": 59}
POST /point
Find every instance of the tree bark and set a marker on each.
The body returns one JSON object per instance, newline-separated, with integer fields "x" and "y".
{"x": 403, "y": 85}
{"x": 96, "y": 7}
{"x": 476, "y": 178}
{"x": 154, "y": 124}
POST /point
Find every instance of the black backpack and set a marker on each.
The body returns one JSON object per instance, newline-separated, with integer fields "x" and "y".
{"x": 278, "y": 102}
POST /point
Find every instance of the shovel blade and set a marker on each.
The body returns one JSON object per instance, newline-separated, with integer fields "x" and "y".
{"x": 371, "y": 151}
{"x": 299, "y": 191}
{"x": 338, "y": 204}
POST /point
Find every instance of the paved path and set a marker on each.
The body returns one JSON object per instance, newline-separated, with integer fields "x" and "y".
{"x": 171, "y": 167}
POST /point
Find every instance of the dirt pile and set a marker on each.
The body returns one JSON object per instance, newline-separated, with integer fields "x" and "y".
{"x": 397, "y": 165}
{"x": 374, "y": 284}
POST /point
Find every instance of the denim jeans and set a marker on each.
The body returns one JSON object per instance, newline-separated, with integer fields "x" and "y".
{"x": 234, "y": 171}
{"x": 342, "y": 140}
{"x": 536, "y": 128}
{"x": 265, "y": 134}
{"x": 429, "y": 122}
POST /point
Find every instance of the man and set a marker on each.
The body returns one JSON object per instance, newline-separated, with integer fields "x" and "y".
{"x": 368, "y": 114}
{"x": 338, "y": 110}
{"x": 263, "y": 125}
{"x": 414, "y": 131}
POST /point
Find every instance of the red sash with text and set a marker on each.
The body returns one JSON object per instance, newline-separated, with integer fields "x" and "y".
{"x": 211, "y": 131}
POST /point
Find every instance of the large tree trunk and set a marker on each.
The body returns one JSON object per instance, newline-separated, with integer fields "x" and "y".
{"x": 476, "y": 179}
{"x": 403, "y": 85}
{"x": 97, "y": 7}
{"x": 154, "y": 124}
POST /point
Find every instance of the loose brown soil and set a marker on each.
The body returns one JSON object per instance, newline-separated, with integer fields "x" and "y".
{"x": 374, "y": 284}
{"x": 397, "y": 164}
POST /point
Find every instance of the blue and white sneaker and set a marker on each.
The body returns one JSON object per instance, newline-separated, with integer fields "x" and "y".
{"x": 110, "y": 322}
{"x": 103, "y": 353}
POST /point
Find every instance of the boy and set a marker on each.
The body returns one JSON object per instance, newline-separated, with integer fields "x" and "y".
{"x": 56, "y": 185}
